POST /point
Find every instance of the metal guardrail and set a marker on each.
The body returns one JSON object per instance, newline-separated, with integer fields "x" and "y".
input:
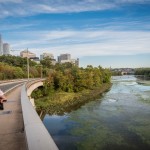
{"x": 37, "y": 135}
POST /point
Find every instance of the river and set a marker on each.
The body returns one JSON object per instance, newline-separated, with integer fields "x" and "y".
{"x": 119, "y": 120}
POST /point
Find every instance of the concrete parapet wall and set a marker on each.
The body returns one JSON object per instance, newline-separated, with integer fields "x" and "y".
{"x": 37, "y": 135}
{"x": 33, "y": 86}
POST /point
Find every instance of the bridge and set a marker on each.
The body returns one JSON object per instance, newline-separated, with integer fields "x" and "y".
{"x": 20, "y": 126}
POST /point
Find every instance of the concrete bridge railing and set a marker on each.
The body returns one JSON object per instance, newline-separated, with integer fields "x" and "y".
{"x": 31, "y": 86}
{"x": 37, "y": 136}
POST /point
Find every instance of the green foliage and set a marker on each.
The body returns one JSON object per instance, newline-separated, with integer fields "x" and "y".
{"x": 60, "y": 102}
{"x": 10, "y": 72}
{"x": 16, "y": 61}
{"x": 143, "y": 71}
{"x": 46, "y": 62}
{"x": 116, "y": 73}
{"x": 68, "y": 87}
{"x": 70, "y": 78}
{"x": 13, "y": 67}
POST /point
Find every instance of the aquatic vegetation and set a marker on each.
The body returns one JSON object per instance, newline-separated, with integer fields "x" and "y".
{"x": 118, "y": 120}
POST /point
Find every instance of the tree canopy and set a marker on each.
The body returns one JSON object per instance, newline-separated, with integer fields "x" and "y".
{"x": 74, "y": 79}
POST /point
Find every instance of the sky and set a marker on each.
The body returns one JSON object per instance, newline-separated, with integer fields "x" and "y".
{"x": 110, "y": 33}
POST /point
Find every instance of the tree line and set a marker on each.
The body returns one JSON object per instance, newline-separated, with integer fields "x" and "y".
{"x": 14, "y": 67}
{"x": 142, "y": 71}
{"x": 67, "y": 87}
{"x": 69, "y": 78}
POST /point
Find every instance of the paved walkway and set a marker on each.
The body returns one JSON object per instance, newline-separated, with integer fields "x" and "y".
{"x": 12, "y": 136}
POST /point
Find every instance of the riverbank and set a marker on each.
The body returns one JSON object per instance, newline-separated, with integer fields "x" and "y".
{"x": 145, "y": 82}
{"x": 64, "y": 102}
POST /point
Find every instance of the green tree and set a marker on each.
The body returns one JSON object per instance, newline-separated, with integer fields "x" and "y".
{"x": 46, "y": 62}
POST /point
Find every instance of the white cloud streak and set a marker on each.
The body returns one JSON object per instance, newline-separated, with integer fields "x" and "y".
{"x": 32, "y": 7}
{"x": 86, "y": 43}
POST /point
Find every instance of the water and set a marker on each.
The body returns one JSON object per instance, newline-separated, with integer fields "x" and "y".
{"x": 120, "y": 120}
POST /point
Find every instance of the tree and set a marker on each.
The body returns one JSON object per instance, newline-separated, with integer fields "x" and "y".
{"x": 46, "y": 62}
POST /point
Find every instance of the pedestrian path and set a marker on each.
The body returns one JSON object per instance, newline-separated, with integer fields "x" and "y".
{"x": 12, "y": 135}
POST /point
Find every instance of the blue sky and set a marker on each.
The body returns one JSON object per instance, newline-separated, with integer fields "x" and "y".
{"x": 112, "y": 33}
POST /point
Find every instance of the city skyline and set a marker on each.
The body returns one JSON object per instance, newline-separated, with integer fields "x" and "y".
{"x": 107, "y": 33}
{"x": 4, "y": 47}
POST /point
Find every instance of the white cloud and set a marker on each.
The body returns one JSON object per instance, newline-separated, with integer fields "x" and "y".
{"x": 31, "y": 7}
{"x": 86, "y": 43}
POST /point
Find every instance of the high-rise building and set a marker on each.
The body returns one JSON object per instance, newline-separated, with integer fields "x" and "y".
{"x": 6, "y": 49}
{"x": 49, "y": 55}
{"x": 77, "y": 62}
{"x": 44, "y": 55}
{"x": 1, "y": 46}
{"x": 64, "y": 57}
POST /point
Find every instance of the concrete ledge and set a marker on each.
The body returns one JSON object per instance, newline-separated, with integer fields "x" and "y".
{"x": 37, "y": 135}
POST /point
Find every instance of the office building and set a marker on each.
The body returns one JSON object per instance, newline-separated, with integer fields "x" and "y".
{"x": 49, "y": 55}
{"x": 77, "y": 62}
{"x": 65, "y": 58}
{"x": 6, "y": 49}
{"x": 27, "y": 53}
{"x": 44, "y": 55}
{"x": 35, "y": 59}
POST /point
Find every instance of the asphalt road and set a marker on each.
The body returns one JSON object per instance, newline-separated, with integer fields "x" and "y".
{"x": 8, "y": 85}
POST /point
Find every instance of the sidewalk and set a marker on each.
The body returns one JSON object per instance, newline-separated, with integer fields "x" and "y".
{"x": 12, "y": 136}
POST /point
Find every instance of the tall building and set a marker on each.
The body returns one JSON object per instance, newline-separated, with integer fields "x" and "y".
{"x": 44, "y": 55}
{"x": 77, "y": 62}
{"x": 64, "y": 57}
{"x": 6, "y": 49}
{"x": 27, "y": 53}
{"x": 1, "y": 45}
{"x": 49, "y": 55}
